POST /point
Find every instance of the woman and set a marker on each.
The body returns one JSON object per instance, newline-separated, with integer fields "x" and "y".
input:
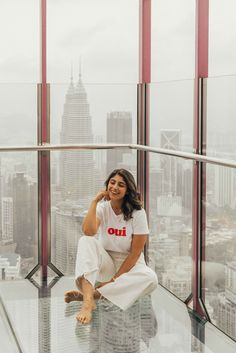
{"x": 115, "y": 259}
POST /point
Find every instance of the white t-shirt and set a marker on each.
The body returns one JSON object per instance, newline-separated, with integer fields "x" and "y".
{"x": 116, "y": 233}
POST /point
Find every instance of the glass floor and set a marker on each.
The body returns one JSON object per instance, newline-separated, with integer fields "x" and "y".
{"x": 38, "y": 321}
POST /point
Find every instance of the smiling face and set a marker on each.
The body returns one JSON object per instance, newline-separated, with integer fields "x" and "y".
{"x": 116, "y": 188}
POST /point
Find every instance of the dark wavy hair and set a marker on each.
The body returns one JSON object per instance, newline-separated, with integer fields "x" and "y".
{"x": 132, "y": 200}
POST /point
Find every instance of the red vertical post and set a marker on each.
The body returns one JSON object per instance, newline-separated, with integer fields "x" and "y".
{"x": 201, "y": 71}
{"x": 44, "y": 156}
{"x": 143, "y": 99}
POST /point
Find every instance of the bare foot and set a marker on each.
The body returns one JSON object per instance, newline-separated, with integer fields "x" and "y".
{"x": 76, "y": 295}
{"x": 85, "y": 314}
{"x": 73, "y": 295}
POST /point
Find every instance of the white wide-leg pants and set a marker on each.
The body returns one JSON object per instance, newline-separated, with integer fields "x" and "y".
{"x": 94, "y": 263}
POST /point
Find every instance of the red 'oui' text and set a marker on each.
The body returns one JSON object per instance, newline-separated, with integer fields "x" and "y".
{"x": 117, "y": 232}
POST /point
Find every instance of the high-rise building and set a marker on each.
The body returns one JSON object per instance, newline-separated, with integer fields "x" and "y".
{"x": 76, "y": 167}
{"x": 67, "y": 220}
{"x": 7, "y": 219}
{"x": 226, "y": 308}
{"x": 119, "y": 130}
{"x": 172, "y": 166}
{"x": 169, "y": 206}
{"x": 156, "y": 188}
{"x": 24, "y": 214}
{"x": 177, "y": 277}
{"x": 223, "y": 186}
{"x": 1, "y": 195}
{"x": 187, "y": 191}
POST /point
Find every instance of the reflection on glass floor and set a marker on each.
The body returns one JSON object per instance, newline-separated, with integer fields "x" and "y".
{"x": 43, "y": 323}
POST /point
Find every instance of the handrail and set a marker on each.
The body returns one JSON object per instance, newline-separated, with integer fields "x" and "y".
{"x": 174, "y": 153}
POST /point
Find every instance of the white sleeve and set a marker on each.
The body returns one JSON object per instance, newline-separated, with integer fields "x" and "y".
{"x": 140, "y": 225}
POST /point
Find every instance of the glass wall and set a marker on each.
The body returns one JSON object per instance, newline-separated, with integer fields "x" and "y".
{"x": 171, "y": 115}
{"x": 19, "y": 75}
{"x": 170, "y": 221}
{"x": 219, "y": 271}
{"x": 173, "y": 40}
{"x": 219, "y": 281}
{"x": 19, "y": 38}
{"x": 222, "y": 51}
{"x": 102, "y": 35}
{"x": 221, "y": 122}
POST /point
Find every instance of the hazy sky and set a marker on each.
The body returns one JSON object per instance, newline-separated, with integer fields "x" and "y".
{"x": 105, "y": 35}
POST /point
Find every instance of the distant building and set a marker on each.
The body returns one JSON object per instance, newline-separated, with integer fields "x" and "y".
{"x": 1, "y": 195}
{"x": 156, "y": 181}
{"x": 24, "y": 195}
{"x": 119, "y": 130}
{"x": 187, "y": 190}
{"x": 226, "y": 304}
{"x": 77, "y": 167}
{"x": 9, "y": 266}
{"x": 168, "y": 247}
{"x": 99, "y": 155}
{"x": 67, "y": 220}
{"x": 169, "y": 206}
{"x": 172, "y": 166}
{"x": 224, "y": 194}
{"x": 7, "y": 219}
{"x": 177, "y": 277}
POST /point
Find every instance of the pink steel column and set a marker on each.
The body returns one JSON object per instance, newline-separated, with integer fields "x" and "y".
{"x": 143, "y": 100}
{"x": 201, "y": 71}
{"x": 44, "y": 156}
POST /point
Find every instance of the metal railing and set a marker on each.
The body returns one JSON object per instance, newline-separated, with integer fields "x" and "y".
{"x": 186, "y": 155}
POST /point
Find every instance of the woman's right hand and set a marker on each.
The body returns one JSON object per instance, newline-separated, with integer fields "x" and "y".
{"x": 103, "y": 194}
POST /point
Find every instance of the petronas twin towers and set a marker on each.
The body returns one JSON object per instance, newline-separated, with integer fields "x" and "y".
{"x": 76, "y": 166}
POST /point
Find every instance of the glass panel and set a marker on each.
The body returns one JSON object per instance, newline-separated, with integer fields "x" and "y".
{"x": 170, "y": 222}
{"x": 221, "y": 37}
{"x": 218, "y": 341}
{"x": 219, "y": 281}
{"x": 173, "y": 39}
{"x": 104, "y": 34}
{"x": 21, "y": 299}
{"x": 171, "y": 115}
{"x": 221, "y": 112}
{"x": 83, "y": 174}
{"x": 18, "y": 214}
{"x": 18, "y": 114}
{"x": 20, "y": 41}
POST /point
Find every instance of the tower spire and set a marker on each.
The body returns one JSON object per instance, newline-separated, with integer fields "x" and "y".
{"x": 71, "y": 72}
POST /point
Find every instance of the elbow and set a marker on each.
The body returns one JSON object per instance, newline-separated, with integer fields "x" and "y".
{"x": 87, "y": 231}
{"x": 135, "y": 256}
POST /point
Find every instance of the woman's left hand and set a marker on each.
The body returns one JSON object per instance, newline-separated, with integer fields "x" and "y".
{"x": 103, "y": 284}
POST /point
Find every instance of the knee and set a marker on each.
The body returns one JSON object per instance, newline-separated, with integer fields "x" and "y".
{"x": 85, "y": 239}
{"x": 153, "y": 278}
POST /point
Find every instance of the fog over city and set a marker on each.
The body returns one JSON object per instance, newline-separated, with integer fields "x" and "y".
{"x": 92, "y": 31}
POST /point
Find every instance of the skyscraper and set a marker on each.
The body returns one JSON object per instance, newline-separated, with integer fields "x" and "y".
{"x": 223, "y": 186}
{"x": 24, "y": 214}
{"x": 76, "y": 167}
{"x": 67, "y": 220}
{"x": 226, "y": 308}
{"x": 1, "y": 195}
{"x": 171, "y": 139}
{"x": 119, "y": 130}
{"x": 7, "y": 219}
